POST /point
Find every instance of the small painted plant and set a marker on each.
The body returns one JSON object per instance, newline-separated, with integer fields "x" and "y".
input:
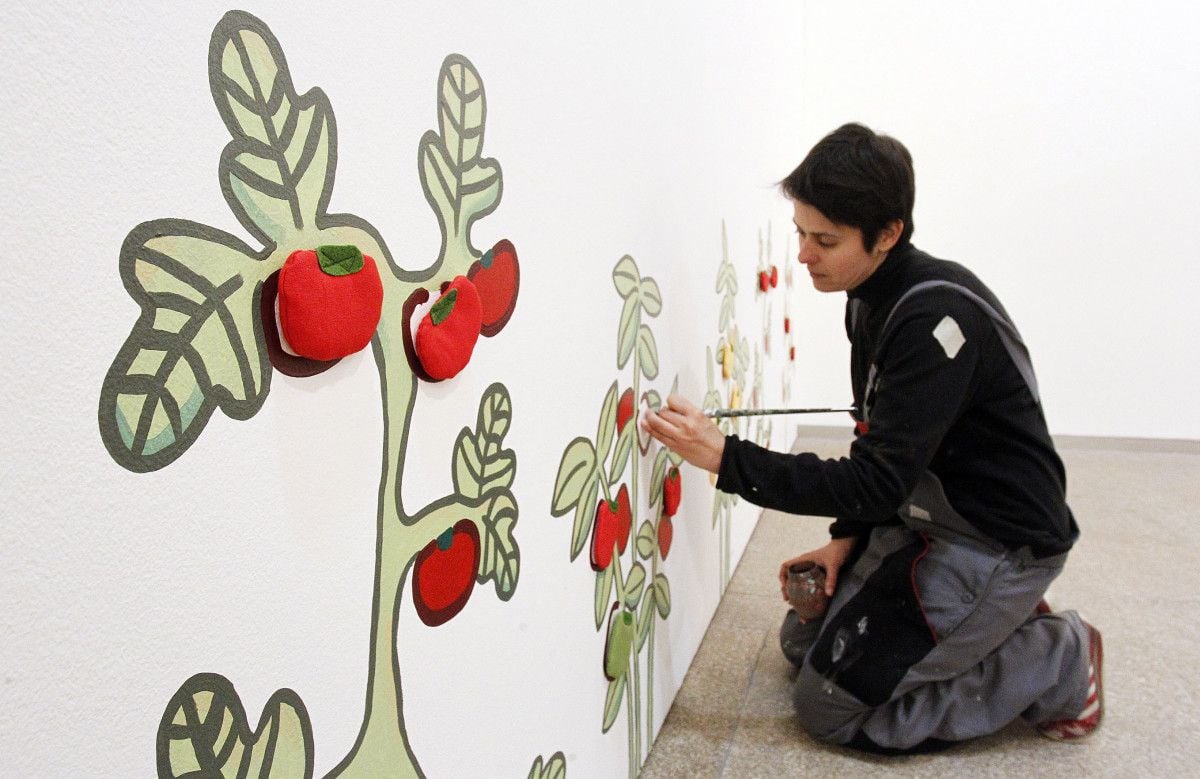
{"x": 762, "y": 425}
{"x": 732, "y": 358}
{"x": 598, "y": 481}
{"x": 209, "y": 336}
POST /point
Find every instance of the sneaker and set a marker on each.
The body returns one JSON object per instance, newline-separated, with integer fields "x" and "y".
{"x": 1088, "y": 720}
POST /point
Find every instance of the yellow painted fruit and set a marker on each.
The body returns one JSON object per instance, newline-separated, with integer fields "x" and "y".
{"x": 735, "y": 398}
{"x": 727, "y": 362}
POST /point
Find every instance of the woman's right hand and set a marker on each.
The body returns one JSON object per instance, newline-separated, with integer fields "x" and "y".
{"x": 830, "y": 557}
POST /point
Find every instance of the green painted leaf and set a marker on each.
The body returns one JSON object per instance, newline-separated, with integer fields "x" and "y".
{"x": 443, "y": 307}
{"x": 340, "y": 260}
{"x": 662, "y": 595}
{"x": 460, "y": 185}
{"x": 576, "y": 470}
{"x": 727, "y": 280}
{"x": 631, "y": 318}
{"x": 277, "y": 172}
{"x": 604, "y": 588}
{"x": 657, "y": 475}
{"x": 606, "y": 428}
{"x": 554, "y": 768}
{"x": 500, "y": 558}
{"x": 645, "y": 618}
{"x": 204, "y": 732}
{"x": 585, "y": 515}
{"x": 653, "y": 400}
{"x": 726, "y": 317}
{"x": 647, "y": 352}
{"x": 626, "y": 277}
{"x": 708, "y": 365}
{"x": 651, "y": 296}
{"x": 481, "y": 464}
{"x": 624, "y": 449}
{"x": 612, "y": 702}
{"x": 647, "y": 540}
{"x": 634, "y": 584}
{"x": 741, "y": 360}
{"x": 196, "y": 346}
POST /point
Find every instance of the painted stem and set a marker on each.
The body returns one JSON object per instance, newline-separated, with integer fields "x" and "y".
{"x": 382, "y": 747}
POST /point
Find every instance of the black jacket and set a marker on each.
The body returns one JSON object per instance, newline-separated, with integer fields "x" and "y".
{"x": 947, "y": 398}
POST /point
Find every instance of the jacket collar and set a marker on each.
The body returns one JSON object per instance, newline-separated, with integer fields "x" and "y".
{"x": 882, "y": 283}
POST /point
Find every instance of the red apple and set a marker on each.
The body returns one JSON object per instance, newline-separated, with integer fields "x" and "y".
{"x": 666, "y": 532}
{"x": 624, "y": 519}
{"x": 444, "y": 573}
{"x": 624, "y": 409}
{"x": 497, "y": 276}
{"x": 787, "y": 324}
{"x": 774, "y": 276}
{"x": 672, "y": 491}
{"x": 764, "y": 281}
{"x": 447, "y": 334}
{"x": 614, "y": 520}
{"x": 604, "y": 535}
{"x": 330, "y": 301}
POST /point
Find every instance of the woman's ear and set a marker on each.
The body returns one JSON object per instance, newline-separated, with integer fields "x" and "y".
{"x": 889, "y": 235}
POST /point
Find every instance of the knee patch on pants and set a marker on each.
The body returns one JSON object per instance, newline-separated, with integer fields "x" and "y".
{"x": 868, "y": 646}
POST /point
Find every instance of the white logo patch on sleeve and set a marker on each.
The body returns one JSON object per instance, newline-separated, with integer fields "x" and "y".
{"x": 949, "y": 336}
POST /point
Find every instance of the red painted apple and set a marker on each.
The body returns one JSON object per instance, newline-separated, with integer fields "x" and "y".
{"x": 624, "y": 409}
{"x": 497, "y": 277}
{"x": 666, "y": 532}
{"x": 614, "y": 520}
{"x": 787, "y": 324}
{"x": 774, "y": 276}
{"x": 447, "y": 334}
{"x": 792, "y": 353}
{"x": 764, "y": 281}
{"x": 624, "y": 518}
{"x": 604, "y": 535}
{"x": 672, "y": 491}
{"x": 444, "y": 573}
{"x": 329, "y": 301}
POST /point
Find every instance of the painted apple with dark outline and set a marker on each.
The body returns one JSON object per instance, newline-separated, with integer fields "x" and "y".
{"x": 497, "y": 276}
{"x": 614, "y": 521}
{"x": 444, "y": 573}
{"x": 624, "y": 409}
{"x": 672, "y": 491}
{"x": 666, "y": 532}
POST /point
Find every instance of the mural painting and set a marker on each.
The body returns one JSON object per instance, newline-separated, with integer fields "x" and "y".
{"x": 598, "y": 480}
{"x": 732, "y": 361}
{"x": 219, "y": 315}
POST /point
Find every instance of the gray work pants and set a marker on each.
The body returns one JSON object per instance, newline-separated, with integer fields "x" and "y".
{"x": 932, "y": 639}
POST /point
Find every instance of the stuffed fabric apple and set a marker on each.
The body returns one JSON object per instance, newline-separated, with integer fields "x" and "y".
{"x": 330, "y": 301}
{"x": 447, "y": 334}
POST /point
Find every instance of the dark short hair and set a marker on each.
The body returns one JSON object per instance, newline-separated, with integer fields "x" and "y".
{"x": 858, "y": 178}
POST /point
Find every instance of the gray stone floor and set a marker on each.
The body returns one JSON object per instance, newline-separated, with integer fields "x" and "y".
{"x": 1134, "y": 574}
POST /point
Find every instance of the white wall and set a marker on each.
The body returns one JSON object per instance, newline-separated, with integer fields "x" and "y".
{"x": 619, "y": 130}
{"x": 1055, "y": 151}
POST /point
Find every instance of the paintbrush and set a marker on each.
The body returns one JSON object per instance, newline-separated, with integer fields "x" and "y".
{"x": 721, "y": 413}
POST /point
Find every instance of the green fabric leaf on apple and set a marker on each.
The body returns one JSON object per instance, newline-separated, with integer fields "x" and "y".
{"x": 443, "y": 307}
{"x": 340, "y": 260}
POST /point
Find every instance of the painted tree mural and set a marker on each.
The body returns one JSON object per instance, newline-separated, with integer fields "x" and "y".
{"x": 598, "y": 481}
{"x": 207, "y": 338}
